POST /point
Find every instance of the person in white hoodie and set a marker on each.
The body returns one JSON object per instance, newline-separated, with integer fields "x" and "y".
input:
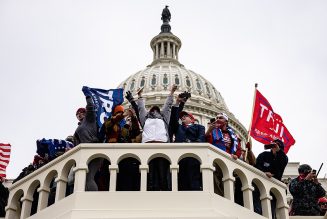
{"x": 155, "y": 125}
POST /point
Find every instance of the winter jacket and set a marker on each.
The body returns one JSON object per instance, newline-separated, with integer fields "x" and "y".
{"x": 268, "y": 162}
{"x": 164, "y": 115}
{"x": 305, "y": 197}
{"x": 190, "y": 133}
{"x": 87, "y": 131}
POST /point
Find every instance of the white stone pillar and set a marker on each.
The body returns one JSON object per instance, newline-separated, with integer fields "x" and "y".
{"x": 174, "y": 177}
{"x": 282, "y": 210}
{"x": 207, "y": 177}
{"x": 157, "y": 51}
{"x": 248, "y": 197}
{"x": 61, "y": 188}
{"x": 114, "y": 169}
{"x": 229, "y": 188}
{"x": 266, "y": 206}
{"x": 144, "y": 169}
{"x": 43, "y": 198}
{"x": 11, "y": 213}
{"x": 177, "y": 50}
{"x": 80, "y": 178}
{"x": 26, "y": 207}
{"x": 174, "y": 52}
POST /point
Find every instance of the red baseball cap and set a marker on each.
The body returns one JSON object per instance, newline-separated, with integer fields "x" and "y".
{"x": 183, "y": 113}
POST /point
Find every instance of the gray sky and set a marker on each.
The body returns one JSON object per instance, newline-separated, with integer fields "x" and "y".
{"x": 50, "y": 49}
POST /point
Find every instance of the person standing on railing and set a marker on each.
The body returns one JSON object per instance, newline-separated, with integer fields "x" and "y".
{"x": 221, "y": 135}
{"x": 187, "y": 132}
{"x": 306, "y": 190}
{"x": 155, "y": 125}
{"x": 87, "y": 132}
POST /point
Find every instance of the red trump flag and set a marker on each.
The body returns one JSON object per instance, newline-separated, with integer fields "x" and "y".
{"x": 268, "y": 125}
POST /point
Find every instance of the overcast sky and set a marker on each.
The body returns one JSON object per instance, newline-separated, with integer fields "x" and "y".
{"x": 50, "y": 49}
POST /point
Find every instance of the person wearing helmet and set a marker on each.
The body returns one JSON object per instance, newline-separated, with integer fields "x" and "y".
{"x": 322, "y": 202}
{"x": 306, "y": 190}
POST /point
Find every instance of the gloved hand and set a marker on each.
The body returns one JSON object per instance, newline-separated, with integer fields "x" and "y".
{"x": 129, "y": 96}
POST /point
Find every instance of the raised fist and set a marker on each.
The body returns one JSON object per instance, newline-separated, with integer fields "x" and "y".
{"x": 129, "y": 96}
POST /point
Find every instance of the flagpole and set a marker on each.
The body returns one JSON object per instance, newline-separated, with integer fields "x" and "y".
{"x": 248, "y": 140}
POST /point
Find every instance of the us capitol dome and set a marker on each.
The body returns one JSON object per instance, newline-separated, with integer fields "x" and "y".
{"x": 166, "y": 70}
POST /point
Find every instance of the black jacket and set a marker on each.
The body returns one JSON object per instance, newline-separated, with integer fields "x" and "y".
{"x": 268, "y": 162}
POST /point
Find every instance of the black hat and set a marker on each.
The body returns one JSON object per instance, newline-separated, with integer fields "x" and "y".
{"x": 155, "y": 108}
{"x": 280, "y": 143}
{"x": 304, "y": 168}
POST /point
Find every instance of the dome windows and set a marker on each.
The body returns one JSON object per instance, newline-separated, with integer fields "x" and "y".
{"x": 132, "y": 85}
{"x": 165, "y": 79}
{"x": 188, "y": 82}
{"x": 142, "y": 83}
{"x": 176, "y": 80}
{"x": 198, "y": 84}
{"x": 154, "y": 80}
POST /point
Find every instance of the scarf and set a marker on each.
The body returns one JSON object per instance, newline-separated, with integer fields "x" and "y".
{"x": 218, "y": 139}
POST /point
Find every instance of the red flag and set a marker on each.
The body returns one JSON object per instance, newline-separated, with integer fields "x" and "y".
{"x": 268, "y": 125}
{"x": 5, "y": 150}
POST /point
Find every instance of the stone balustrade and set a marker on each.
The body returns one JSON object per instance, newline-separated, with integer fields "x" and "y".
{"x": 36, "y": 192}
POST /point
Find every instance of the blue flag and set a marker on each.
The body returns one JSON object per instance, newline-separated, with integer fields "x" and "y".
{"x": 104, "y": 101}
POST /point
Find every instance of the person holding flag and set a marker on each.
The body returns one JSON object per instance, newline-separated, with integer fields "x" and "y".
{"x": 99, "y": 105}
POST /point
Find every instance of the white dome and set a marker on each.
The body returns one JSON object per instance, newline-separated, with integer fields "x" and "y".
{"x": 166, "y": 70}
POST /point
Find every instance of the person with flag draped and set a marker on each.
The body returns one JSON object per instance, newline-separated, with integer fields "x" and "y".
{"x": 99, "y": 105}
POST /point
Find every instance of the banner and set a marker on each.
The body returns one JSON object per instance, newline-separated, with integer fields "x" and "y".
{"x": 104, "y": 101}
{"x": 268, "y": 125}
{"x": 5, "y": 150}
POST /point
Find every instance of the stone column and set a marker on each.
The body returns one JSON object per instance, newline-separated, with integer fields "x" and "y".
{"x": 229, "y": 188}
{"x": 266, "y": 205}
{"x": 11, "y": 213}
{"x": 43, "y": 198}
{"x": 114, "y": 169}
{"x": 174, "y": 177}
{"x": 247, "y": 196}
{"x": 162, "y": 50}
{"x": 80, "y": 178}
{"x": 26, "y": 207}
{"x": 282, "y": 210}
{"x": 174, "y": 52}
{"x": 144, "y": 169}
{"x": 177, "y": 50}
{"x": 61, "y": 188}
{"x": 207, "y": 177}
{"x": 157, "y": 51}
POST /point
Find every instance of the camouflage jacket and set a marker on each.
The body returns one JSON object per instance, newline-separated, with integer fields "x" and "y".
{"x": 305, "y": 197}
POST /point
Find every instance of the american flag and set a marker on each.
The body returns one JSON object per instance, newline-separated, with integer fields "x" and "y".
{"x": 4, "y": 158}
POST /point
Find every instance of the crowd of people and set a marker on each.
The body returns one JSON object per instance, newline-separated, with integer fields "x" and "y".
{"x": 172, "y": 123}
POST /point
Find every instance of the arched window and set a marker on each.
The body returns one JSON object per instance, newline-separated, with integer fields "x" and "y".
{"x": 188, "y": 82}
{"x": 132, "y": 85}
{"x": 198, "y": 84}
{"x": 165, "y": 79}
{"x": 129, "y": 176}
{"x": 153, "y": 80}
{"x": 176, "y": 80}
{"x": 189, "y": 175}
{"x": 142, "y": 82}
{"x": 159, "y": 176}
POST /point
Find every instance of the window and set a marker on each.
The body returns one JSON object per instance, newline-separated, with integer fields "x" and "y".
{"x": 132, "y": 85}
{"x": 176, "y": 80}
{"x": 198, "y": 84}
{"x": 165, "y": 79}
{"x": 188, "y": 82}
{"x": 153, "y": 80}
{"x": 142, "y": 82}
